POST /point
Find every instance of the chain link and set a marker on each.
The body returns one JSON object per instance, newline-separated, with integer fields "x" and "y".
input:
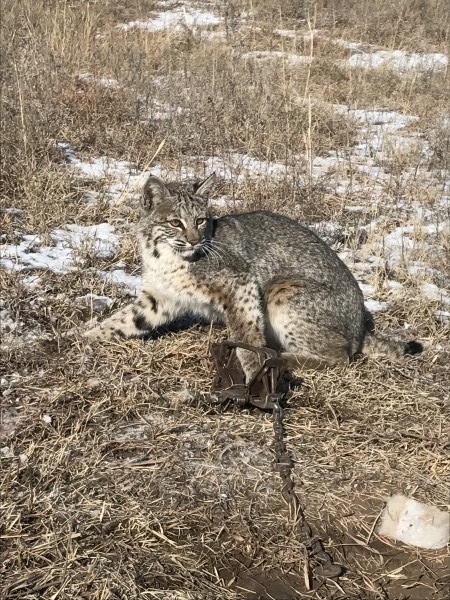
{"x": 319, "y": 561}
{"x": 262, "y": 393}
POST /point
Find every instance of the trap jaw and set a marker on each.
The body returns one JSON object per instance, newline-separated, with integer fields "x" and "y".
{"x": 262, "y": 390}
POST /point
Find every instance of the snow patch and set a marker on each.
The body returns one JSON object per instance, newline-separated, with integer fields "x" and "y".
{"x": 376, "y": 305}
{"x": 60, "y": 258}
{"x": 124, "y": 180}
{"x": 176, "y": 19}
{"x": 289, "y": 57}
{"x": 238, "y": 167}
{"x": 287, "y": 33}
{"x": 433, "y": 292}
{"x": 159, "y": 110}
{"x": 131, "y": 283}
{"x": 103, "y": 81}
{"x": 97, "y": 239}
{"x": 97, "y": 167}
{"x": 355, "y": 208}
{"x": 14, "y": 335}
{"x": 28, "y": 255}
{"x": 397, "y": 60}
{"x": 442, "y": 315}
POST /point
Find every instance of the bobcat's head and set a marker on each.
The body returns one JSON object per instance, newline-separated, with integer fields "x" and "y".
{"x": 176, "y": 215}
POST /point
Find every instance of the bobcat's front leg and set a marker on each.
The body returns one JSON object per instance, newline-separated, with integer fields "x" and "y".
{"x": 245, "y": 322}
{"x": 144, "y": 314}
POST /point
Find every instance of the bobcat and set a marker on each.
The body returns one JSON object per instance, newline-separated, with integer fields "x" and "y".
{"x": 275, "y": 282}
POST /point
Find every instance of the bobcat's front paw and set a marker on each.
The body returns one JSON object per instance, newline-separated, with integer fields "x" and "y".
{"x": 249, "y": 363}
{"x": 98, "y": 334}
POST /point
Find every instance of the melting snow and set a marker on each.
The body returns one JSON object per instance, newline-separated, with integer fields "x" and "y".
{"x": 295, "y": 59}
{"x": 389, "y": 119}
{"x": 14, "y": 334}
{"x": 97, "y": 167}
{"x": 376, "y": 305}
{"x": 433, "y": 292}
{"x": 369, "y": 56}
{"x": 354, "y": 46}
{"x": 442, "y": 315}
{"x": 397, "y": 244}
{"x": 355, "y": 208}
{"x": 132, "y": 283}
{"x": 397, "y": 60}
{"x": 98, "y": 239}
{"x": 165, "y": 111}
{"x": 103, "y": 81}
{"x": 176, "y": 20}
{"x": 288, "y": 33}
{"x": 380, "y": 134}
{"x": 238, "y": 167}
{"x": 32, "y": 282}
{"x": 29, "y": 254}
{"x": 124, "y": 179}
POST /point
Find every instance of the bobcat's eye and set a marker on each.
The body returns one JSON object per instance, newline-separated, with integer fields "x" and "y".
{"x": 176, "y": 223}
{"x": 201, "y": 221}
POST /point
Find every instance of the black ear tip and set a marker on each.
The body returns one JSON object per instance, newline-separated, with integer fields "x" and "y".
{"x": 204, "y": 187}
{"x": 413, "y": 347}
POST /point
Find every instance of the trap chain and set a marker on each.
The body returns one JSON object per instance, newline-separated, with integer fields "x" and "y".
{"x": 267, "y": 390}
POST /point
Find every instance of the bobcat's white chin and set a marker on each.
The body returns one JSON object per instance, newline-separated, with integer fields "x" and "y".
{"x": 188, "y": 251}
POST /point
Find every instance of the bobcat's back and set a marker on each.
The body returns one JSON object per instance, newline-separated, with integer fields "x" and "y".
{"x": 273, "y": 249}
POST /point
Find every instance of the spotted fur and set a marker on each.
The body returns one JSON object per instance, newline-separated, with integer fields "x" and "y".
{"x": 274, "y": 281}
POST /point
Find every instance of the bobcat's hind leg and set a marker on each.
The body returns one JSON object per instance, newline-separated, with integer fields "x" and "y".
{"x": 144, "y": 314}
{"x": 298, "y": 327}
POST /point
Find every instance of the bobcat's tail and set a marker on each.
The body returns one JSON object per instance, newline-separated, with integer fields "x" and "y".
{"x": 374, "y": 344}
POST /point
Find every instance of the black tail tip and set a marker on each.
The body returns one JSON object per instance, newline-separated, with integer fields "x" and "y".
{"x": 413, "y": 347}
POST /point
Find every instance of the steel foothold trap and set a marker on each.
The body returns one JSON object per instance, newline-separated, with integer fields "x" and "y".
{"x": 262, "y": 390}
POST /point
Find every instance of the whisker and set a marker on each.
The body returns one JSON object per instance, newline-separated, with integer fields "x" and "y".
{"x": 222, "y": 249}
{"x": 210, "y": 254}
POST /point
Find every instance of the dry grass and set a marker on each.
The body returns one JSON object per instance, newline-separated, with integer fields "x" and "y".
{"x": 120, "y": 476}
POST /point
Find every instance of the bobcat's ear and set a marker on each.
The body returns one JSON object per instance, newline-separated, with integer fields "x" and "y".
{"x": 203, "y": 188}
{"x": 154, "y": 193}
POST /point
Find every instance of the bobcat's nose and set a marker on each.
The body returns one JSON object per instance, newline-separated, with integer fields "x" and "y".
{"x": 192, "y": 237}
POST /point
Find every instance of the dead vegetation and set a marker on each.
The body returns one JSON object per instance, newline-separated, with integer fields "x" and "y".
{"x": 120, "y": 477}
